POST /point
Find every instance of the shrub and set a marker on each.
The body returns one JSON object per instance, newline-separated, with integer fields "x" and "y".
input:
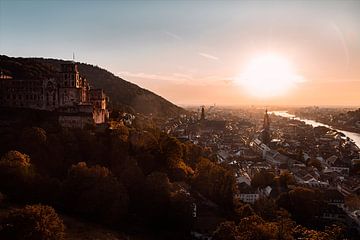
{"x": 33, "y": 222}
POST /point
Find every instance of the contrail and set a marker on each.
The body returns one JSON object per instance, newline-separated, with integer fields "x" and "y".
{"x": 340, "y": 34}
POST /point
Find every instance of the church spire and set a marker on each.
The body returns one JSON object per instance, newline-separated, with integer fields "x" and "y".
{"x": 265, "y": 134}
{"x": 266, "y": 121}
{"x": 202, "y": 114}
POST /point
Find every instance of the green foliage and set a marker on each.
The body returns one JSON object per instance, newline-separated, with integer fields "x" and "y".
{"x": 33, "y": 222}
{"x": 94, "y": 192}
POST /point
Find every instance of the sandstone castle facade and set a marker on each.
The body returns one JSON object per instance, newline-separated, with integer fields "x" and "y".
{"x": 68, "y": 93}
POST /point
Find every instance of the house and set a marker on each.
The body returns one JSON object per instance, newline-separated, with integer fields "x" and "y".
{"x": 334, "y": 197}
{"x": 334, "y": 213}
{"x": 247, "y": 194}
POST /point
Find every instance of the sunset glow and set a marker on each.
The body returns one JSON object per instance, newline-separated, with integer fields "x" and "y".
{"x": 268, "y": 76}
{"x": 228, "y": 53}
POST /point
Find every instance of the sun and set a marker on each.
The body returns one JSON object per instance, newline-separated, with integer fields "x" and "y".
{"x": 267, "y": 76}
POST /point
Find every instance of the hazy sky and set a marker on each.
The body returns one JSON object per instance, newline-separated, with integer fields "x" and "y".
{"x": 190, "y": 52}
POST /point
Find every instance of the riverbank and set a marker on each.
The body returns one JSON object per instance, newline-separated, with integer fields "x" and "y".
{"x": 354, "y": 136}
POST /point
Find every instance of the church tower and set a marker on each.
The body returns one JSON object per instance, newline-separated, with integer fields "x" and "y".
{"x": 265, "y": 133}
{"x": 266, "y": 124}
{"x": 202, "y": 118}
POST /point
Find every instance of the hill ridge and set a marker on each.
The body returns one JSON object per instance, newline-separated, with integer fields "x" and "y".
{"x": 123, "y": 94}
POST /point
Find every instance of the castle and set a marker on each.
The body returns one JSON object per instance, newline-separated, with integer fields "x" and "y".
{"x": 69, "y": 94}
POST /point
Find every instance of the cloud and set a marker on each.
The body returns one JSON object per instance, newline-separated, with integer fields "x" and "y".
{"x": 180, "y": 78}
{"x": 165, "y": 77}
{"x": 173, "y": 35}
{"x": 208, "y": 56}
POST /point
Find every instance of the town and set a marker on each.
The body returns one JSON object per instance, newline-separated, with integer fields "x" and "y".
{"x": 256, "y": 143}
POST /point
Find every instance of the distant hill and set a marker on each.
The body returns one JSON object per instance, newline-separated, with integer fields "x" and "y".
{"x": 123, "y": 94}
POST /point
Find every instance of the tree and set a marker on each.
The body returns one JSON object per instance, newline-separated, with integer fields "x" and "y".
{"x": 157, "y": 194}
{"x": 33, "y": 142}
{"x": 315, "y": 163}
{"x": 303, "y": 204}
{"x": 16, "y": 174}
{"x": 181, "y": 208}
{"x": 226, "y": 231}
{"x": 95, "y": 193}
{"x": 215, "y": 182}
{"x": 243, "y": 211}
{"x": 286, "y": 179}
{"x": 266, "y": 208}
{"x": 33, "y": 137}
{"x": 33, "y": 222}
{"x": 262, "y": 179}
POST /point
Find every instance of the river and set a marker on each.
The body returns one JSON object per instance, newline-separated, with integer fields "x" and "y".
{"x": 352, "y": 135}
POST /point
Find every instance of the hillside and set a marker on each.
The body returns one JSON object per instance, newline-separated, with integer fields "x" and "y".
{"x": 122, "y": 93}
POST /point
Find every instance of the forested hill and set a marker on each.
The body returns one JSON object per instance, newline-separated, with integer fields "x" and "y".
{"x": 122, "y": 93}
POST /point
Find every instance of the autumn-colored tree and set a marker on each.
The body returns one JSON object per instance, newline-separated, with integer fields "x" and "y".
{"x": 172, "y": 150}
{"x": 16, "y": 174}
{"x": 262, "y": 179}
{"x": 243, "y": 211}
{"x": 215, "y": 182}
{"x": 181, "y": 208}
{"x": 95, "y": 193}
{"x": 303, "y": 204}
{"x": 266, "y": 208}
{"x": 286, "y": 179}
{"x": 157, "y": 194}
{"x": 33, "y": 222}
{"x": 33, "y": 138}
{"x": 226, "y": 231}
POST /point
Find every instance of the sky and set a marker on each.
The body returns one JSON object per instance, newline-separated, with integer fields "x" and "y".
{"x": 193, "y": 52}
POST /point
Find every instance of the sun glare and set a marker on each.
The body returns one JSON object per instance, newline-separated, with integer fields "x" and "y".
{"x": 268, "y": 76}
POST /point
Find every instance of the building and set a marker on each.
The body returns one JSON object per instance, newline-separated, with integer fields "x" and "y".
{"x": 265, "y": 133}
{"x": 67, "y": 93}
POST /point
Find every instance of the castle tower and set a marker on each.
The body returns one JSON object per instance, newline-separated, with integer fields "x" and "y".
{"x": 72, "y": 88}
{"x": 70, "y": 76}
